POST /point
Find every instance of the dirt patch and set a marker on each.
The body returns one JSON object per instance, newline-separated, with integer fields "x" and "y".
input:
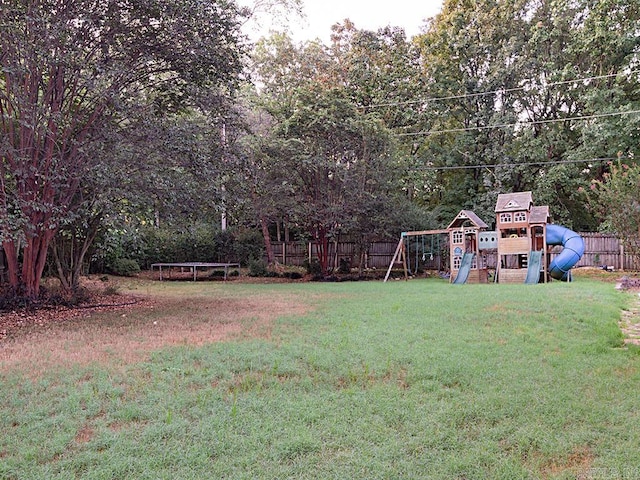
{"x": 630, "y": 321}
{"x": 578, "y": 463}
{"x": 129, "y": 328}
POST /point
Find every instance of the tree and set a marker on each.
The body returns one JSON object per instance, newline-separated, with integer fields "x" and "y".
{"x": 341, "y": 166}
{"x": 508, "y": 80}
{"x": 328, "y": 156}
{"x": 261, "y": 180}
{"x": 66, "y": 67}
{"x": 467, "y": 57}
{"x": 615, "y": 199}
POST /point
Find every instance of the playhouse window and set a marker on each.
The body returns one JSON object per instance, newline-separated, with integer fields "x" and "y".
{"x": 458, "y": 237}
{"x": 505, "y": 218}
{"x": 520, "y": 217}
{"x": 456, "y": 262}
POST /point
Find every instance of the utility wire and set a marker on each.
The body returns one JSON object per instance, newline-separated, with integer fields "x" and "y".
{"x": 518, "y": 124}
{"x": 502, "y": 90}
{"x": 527, "y": 164}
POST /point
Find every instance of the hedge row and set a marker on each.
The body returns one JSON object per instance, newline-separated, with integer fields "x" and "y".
{"x": 203, "y": 244}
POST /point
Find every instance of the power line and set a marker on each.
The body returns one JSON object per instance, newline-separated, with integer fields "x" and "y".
{"x": 518, "y": 124}
{"x": 525, "y": 164}
{"x": 502, "y": 90}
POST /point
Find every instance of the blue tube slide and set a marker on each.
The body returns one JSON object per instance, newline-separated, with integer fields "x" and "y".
{"x": 573, "y": 248}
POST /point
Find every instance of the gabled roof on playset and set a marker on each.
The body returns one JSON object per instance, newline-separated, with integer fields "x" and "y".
{"x": 508, "y": 202}
{"x": 467, "y": 215}
{"x": 539, "y": 215}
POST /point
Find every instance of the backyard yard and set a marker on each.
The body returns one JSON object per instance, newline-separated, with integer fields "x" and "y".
{"x": 351, "y": 380}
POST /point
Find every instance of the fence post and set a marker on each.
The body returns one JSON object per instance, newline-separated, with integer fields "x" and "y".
{"x": 621, "y": 256}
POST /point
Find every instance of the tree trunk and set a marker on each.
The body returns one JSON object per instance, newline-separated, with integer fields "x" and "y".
{"x": 267, "y": 240}
{"x": 363, "y": 245}
{"x": 69, "y": 252}
{"x": 11, "y": 254}
{"x": 34, "y": 259}
{"x": 323, "y": 249}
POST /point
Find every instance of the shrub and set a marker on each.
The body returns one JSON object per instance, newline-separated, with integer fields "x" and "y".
{"x": 124, "y": 267}
{"x": 258, "y": 268}
{"x": 345, "y": 265}
{"x": 68, "y": 298}
{"x": 248, "y": 244}
{"x": 292, "y": 275}
{"x": 313, "y": 266}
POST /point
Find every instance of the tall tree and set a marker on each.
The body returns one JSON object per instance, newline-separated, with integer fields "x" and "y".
{"x": 65, "y": 68}
{"x": 339, "y": 165}
{"x": 333, "y": 156}
{"x": 615, "y": 198}
{"x": 510, "y": 79}
{"x": 467, "y": 53}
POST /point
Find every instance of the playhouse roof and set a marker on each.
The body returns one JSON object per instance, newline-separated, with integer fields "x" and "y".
{"x": 508, "y": 202}
{"x": 467, "y": 215}
{"x": 539, "y": 214}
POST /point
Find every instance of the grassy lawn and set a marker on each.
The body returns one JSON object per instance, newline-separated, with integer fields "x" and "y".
{"x": 402, "y": 380}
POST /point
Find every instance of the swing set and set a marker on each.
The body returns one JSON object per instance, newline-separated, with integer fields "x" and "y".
{"x": 403, "y": 250}
{"x": 421, "y": 254}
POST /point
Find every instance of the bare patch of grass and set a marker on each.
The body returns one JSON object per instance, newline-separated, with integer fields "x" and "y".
{"x": 576, "y": 464}
{"x": 128, "y": 334}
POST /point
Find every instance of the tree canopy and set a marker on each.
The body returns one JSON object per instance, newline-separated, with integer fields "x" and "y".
{"x": 113, "y": 111}
{"x": 67, "y": 70}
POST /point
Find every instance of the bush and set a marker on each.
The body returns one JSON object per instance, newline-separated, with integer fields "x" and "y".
{"x": 70, "y": 298}
{"x": 248, "y": 244}
{"x": 292, "y": 275}
{"x": 313, "y": 266}
{"x": 220, "y": 274}
{"x": 345, "y": 265}
{"x": 124, "y": 267}
{"x": 258, "y": 268}
{"x": 202, "y": 242}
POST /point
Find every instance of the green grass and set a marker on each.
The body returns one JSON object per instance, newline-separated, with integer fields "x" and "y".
{"x": 402, "y": 380}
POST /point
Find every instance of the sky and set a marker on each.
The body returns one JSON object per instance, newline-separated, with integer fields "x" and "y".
{"x": 365, "y": 14}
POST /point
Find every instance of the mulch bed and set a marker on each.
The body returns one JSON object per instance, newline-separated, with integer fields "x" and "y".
{"x": 27, "y": 319}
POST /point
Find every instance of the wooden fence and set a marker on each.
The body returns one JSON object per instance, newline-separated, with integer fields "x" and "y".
{"x": 600, "y": 250}
{"x": 378, "y": 255}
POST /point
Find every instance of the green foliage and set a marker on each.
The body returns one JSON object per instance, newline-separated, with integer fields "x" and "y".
{"x": 491, "y": 81}
{"x": 502, "y": 94}
{"x": 367, "y": 136}
{"x": 200, "y": 243}
{"x": 615, "y": 198}
{"x": 344, "y": 265}
{"x": 312, "y": 267}
{"x": 330, "y": 160}
{"x": 258, "y": 268}
{"x": 125, "y": 267}
{"x": 70, "y": 74}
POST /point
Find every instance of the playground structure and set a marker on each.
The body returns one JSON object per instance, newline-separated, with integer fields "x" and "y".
{"x": 468, "y": 237}
{"x": 521, "y": 229}
{"x": 520, "y": 246}
{"x": 525, "y": 238}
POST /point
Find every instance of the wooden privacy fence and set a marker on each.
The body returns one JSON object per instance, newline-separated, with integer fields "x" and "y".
{"x": 378, "y": 255}
{"x": 600, "y": 250}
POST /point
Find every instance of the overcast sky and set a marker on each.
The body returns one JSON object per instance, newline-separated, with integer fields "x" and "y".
{"x": 365, "y": 14}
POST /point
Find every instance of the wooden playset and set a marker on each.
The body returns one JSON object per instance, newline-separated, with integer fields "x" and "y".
{"x": 518, "y": 251}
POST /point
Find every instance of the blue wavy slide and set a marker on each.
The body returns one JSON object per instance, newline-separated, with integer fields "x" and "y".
{"x": 572, "y": 251}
